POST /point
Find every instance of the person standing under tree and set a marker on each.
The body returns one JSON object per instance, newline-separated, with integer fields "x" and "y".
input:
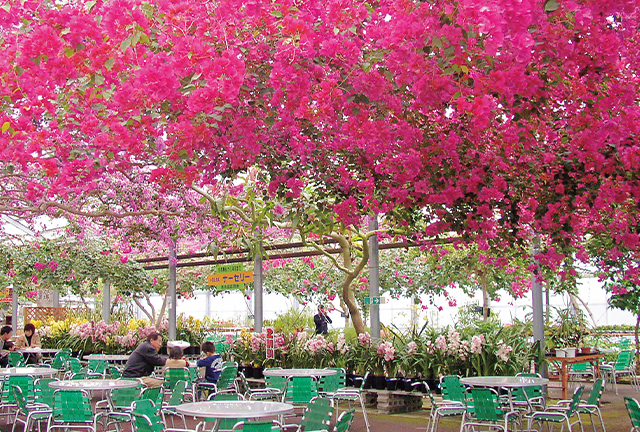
{"x": 322, "y": 321}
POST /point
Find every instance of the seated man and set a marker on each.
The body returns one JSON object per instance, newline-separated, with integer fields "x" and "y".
{"x": 5, "y": 345}
{"x": 144, "y": 359}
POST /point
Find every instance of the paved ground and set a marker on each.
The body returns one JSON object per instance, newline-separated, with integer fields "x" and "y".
{"x": 614, "y": 413}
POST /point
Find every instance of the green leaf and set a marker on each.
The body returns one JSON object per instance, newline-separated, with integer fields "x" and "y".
{"x": 6, "y": 7}
{"x": 5, "y": 126}
{"x": 276, "y": 14}
{"x": 551, "y": 5}
{"x": 69, "y": 52}
{"x": 125, "y": 44}
{"x": 109, "y": 63}
{"x": 65, "y": 31}
{"x": 98, "y": 79}
{"x": 89, "y": 5}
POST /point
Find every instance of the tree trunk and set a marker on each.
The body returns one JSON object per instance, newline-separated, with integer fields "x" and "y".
{"x": 485, "y": 295}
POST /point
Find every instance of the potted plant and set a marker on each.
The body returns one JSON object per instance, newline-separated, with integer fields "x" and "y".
{"x": 568, "y": 331}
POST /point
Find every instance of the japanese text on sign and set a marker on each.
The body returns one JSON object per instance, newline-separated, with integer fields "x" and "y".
{"x": 230, "y": 278}
{"x": 270, "y": 348}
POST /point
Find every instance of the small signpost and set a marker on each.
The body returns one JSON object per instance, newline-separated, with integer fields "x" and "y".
{"x": 374, "y": 300}
{"x": 230, "y": 276}
{"x": 269, "y": 346}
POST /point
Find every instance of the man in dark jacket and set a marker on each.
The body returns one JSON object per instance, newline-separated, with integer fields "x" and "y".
{"x": 321, "y": 319}
{"x": 144, "y": 359}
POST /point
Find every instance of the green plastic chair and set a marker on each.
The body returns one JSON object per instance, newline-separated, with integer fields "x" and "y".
{"x": 147, "y": 419}
{"x": 300, "y": 390}
{"x": 622, "y": 366}
{"x": 227, "y": 379}
{"x": 114, "y": 372}
{"x": 32, "y": 413}
{"x": 443, "y": 409}
{"x": 275, "y": 384}
{"x": 175, "y": 398}
{"x": 258, "y": 426}
{"x": 175, "y": 375}
{"x": 529, "y": 398}
{"x": 119, "y": 404}
{"x": 452, "y": 388}
{"x": 590, "y": 406}
{"x": 329, "y": 384}
{"x": 343, "y": 424}
{"x": 563, "y": 417}
{"x": 317, "y": 415}
{"x": 72, "y": 410}
{"x": 633, "y": 408}
{"x": 624, "y": 344}
{"x": 25, "y": 383}
{"x": 97, "y": 368}
{"x": 154, "y": 394}
{"x": 60, "y": 359}
{"x": 350, "y": 395}
{"x": 16, "y": 359}
{"x": 43, "y": 393}
{"x": 262, "y": 394}
{"x": 484, "y": 410}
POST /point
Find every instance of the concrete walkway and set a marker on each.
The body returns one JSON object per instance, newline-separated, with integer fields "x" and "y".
{"x": 613, "y": 410}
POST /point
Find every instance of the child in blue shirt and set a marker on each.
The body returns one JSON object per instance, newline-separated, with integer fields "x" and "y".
{"x": 212, "y": 362}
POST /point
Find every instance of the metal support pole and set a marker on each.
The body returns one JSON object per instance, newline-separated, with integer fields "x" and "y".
{"x": 172, "y": 295}
{"x": 55, "y": 297}
{"x": 257, "y": 293}
{"x": 374, "y": 278}
{"x": 14, "y": 309}
{"x": 538, "y": 316}
{"x": 106, "y": 302}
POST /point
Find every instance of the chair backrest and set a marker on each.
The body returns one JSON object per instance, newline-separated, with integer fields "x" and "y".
{"x": 317, "y": 415}
{"x": 154, "y": 394}
{"x": 177, "y": 393}
{"x": 146, "y": 417}
{"x": 452, "y": 388}
{"x": 275, "y": 382}
{"x": 300, "y": 390}
{"x": 257, "y": 426}
{"x": 124, "y": 397}
{"x": 580, "y": 367}
{"x": 523, "y": 394}
{"x": 60, "y": 359}
{"x": 227, "y": 378}
{"x": 173, "y": 375}
{"x": 623, "y": 360}
{"x": 332, "y": 383}
{"x": 624, "y": 343}
{"x": 633, "y": 409}
{"x": 74, "y": 365}
{"x": 16, "y": 359}
{"x": 19, "y": 399}
{"x": 97, "y": 366}
{"x": 343, "y": 424}
{"x": 72, "y": 406}
{"x": 484, "y": 404}
{"x": 596, "y": 392}
{"x": 24, "y": 382}
{"x": 575, "y": 401}
{"x": 43, "y": 392}
{"x": 114, "y": 372}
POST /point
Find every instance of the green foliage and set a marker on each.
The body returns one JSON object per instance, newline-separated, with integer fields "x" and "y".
{"x": 568, "y": 330}
{"x": 292, "y": 321}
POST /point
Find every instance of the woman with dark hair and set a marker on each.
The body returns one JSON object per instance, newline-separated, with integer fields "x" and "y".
{"x": 30, "y": 339}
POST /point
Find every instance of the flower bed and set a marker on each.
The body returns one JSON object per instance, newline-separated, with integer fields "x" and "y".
{"x": 487, "y": 349}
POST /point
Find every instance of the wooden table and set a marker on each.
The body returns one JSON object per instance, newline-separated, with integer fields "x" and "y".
{"x": 564, "y": 364}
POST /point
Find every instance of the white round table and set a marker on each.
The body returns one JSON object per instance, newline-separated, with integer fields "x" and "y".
{"x": 233, "y": 409}
{"x": 28, "y": 371}
{"x": 504, "y": 381}
{"x": 36, "y": 350}
{"x": 290, "y": 373}
{"x": 108, "y": 357}
{"x": 507, "y": 382}
{"x": 93, "y": 384}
